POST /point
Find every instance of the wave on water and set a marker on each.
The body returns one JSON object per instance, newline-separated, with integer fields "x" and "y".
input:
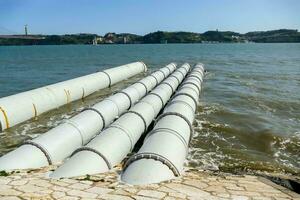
{"x": 226, "y": 147}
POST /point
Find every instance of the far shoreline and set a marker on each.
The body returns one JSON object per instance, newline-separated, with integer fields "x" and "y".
{"x": 158, "y": 37}
{"x": 99, "y": 45}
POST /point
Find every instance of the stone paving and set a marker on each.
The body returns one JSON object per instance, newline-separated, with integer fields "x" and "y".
{"x": 193, "y": 185}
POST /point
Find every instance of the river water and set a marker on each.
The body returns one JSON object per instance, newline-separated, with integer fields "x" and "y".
{"x": 248, "y": 118}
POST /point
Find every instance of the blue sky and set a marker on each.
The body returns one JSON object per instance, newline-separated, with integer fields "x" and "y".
{"x": 143, "y": 16}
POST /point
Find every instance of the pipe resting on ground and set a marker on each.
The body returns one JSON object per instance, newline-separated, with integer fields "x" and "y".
{"x": 23, "y": 106}
{"x": 59, "y": 143}
{"x": 112, "y": 145}
{"x": 165, "y": 148}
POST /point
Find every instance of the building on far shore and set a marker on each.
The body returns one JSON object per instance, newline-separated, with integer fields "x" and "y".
{"x": 98, "y": 40}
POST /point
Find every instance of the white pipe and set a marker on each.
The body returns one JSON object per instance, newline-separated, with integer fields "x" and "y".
{"x": 58, "y": 143}
{"x": 23, "y": 106}
{"x": 165, "y": 148}
{"x": 112, "y": 145}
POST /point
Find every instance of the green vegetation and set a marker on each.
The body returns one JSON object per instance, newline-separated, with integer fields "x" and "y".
{"x": 68, "y": 39}
{"x": 226, "y": 36}
{"x": 51, "y": 40}
{"x": 172, "y": 37}
{"x": 3, "y": 173}
{"x": 282, "y": 35}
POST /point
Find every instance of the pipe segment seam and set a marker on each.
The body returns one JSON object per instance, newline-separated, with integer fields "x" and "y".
{"x": 161, "y": 72}
{"x": 108, "y": 99}
{"x": 182, "y": 102}
{"x": 169, "y": 131}
{"x": 178, "y": 115}
{"x": 145, "y": 66}
{"x": 202, "y": 73}
{"x": 183, "y": 76}
{"x": 153, "y": 156}
{"x": 174, "y": 64}
{"x": 175, "y": 78}
{"x": 77, "y": 128}
{"x": 151, "y": 105}
{"x": 168, "y": 84}
{"x": 198, "y": 70}
{"x": 138, "y": 114}
{"x": 130, "y": 100}
{"x": 198, "y": 73}
{"x": 191, "y": 83}
{"x": 187, "y": 71}
{"x": 94, "y": 151}
{"x": 109, "y": 79}
{"x": 195, "y": 76}
{"x": 164, "y": 73}
{"x": 42, "y": 149}
{"x": 195, "y": 81}
{"x": 151, "y": 75}
{"x": 98, "y": 112}
{"x": 169, "y": 70}
{"x": 124, "y": 131}
{"x": 186, "y": 94}
{"x": 191, "y": 88}
{"x": 144, "y": 86}
{"x": 161, "y": 100}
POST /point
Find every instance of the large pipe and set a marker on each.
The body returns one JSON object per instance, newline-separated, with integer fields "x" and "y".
{"x": 58, "y": 143}
{"x": 23, "y": 106}
{"x": 165, "y": 148}
{"x": 112, "y": 145}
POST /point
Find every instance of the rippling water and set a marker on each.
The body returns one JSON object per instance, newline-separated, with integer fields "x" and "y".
{"x": 248, "y": 117}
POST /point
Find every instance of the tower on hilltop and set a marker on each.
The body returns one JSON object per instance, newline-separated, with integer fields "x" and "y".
{"x": 26, "y": 31}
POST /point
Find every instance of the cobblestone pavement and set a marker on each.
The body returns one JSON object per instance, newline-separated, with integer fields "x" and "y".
{"x": 193, "y": 185}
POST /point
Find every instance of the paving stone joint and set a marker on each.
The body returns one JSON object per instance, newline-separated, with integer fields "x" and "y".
{"x": 194, "y": 184}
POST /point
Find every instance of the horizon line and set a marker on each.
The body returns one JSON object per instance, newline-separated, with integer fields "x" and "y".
{"x": 78, "y": 33}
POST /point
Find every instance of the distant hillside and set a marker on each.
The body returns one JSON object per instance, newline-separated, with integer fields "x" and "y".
{"x": 219, "y": 36}
{"x": 172, "y": 37}
{"x": 121, "y": 38}
{"x": 282, "y": 35}
{"x": 51, "y": 40}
